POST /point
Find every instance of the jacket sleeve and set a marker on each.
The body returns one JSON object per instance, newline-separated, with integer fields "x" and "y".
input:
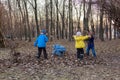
{"x": 85, "y": 37}
{"x": 46, "y": 39}
{"x": 80, "y": 38}
{"x": 36, "y": 42}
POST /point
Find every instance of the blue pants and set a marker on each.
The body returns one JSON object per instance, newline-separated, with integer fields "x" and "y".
{"x": 93, "y": 51}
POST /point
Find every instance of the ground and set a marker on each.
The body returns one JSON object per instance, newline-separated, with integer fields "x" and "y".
{"x": 27, "y": 67}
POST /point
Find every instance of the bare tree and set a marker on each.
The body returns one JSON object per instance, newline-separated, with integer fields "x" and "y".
{"x": 57, "y": 22}
{"x": 92, "y": 24}
{"x": 62, "y": 14}
{"x": 36, "y": 15}
{"x": 78, "y": 14}
{"x": 51, "y": 16}
{"x": 101, "y": 30}
{"x": 70, "y": 20}
{"x": 86, "y": 14}
{"x": 27, "y": 20}
{"x": 1, "y": 34}
{"x": 10, "y": 18}
{"x": 47, "y": 16}
{"x": 110, "y": 29}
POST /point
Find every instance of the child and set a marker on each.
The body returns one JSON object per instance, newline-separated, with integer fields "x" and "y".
{"x": 90, "y": 45}
{"x": 41, "y": 44}
{"x": 80, "y": 44}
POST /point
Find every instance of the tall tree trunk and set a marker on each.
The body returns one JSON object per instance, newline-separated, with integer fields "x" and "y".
{"x": 63, "y": 22}
{"x": 25, "y": 26}
{"x": 101, "y": 31}
{"x": 79, "y": 27}
{"x": 86, "y": 16}
{"x": 110, "y": 30}
{"x": 36, "y": 18}
{"x": 97, "y": 26}
{"x": 106, "y": 30}
{"x": 27, "y": 20}
{"x": 70, "y": 20}
{"x": 2, "y": 44}
{"x": 51, "y": 15}
{"x": 47, "y": 21}
{"x": 57, "y": 20}
{"x": 1, "y": 35}
{"x": 78, "y": 14}
{"x": 21, "y": 21}
{"x": 10, "y": 19}
{"x": 115, "y": 31}
{"x": 92, "y": 24}
{"x": 84, "y": 19}
{"x": 67, "y": 26}
{"x": 36, "y": 15}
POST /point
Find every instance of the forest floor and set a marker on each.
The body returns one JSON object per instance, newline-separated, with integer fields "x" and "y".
{"x": 27, "y": 67}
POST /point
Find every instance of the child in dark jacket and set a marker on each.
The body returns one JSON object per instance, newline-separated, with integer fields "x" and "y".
{"x": 40, "y": 42}
{"x": 90, "y": 45}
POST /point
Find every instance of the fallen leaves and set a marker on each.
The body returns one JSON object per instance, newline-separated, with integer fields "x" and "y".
{"x": 23, "y": 64}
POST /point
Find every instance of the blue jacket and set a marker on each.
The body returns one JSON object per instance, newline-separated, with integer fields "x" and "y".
{"x": 41, "y": 40}
{"x": 91, "y": 42}
{"x": 58, "y": 50}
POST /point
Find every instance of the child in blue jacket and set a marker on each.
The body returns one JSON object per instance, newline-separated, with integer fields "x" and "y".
{"x": 90, "y": 45}
{"x": 40, "y": 42}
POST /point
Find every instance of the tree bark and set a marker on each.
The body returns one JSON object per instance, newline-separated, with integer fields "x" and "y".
{"x": 70, "y": 20}
{"x": 51, "y": 25}
{"x": 36, "y": 18}
{"x": 101, "y": 31}
{"x": 47, "y": 21}
{"x": 110, "y": 32}
{"x": 27, "y": 20}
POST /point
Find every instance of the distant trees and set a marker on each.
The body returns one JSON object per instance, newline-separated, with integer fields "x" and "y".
{"x": 61, "y": 18}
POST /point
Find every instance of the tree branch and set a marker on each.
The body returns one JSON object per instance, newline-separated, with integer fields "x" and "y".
{"x": 31, "y": 4}
{"x": 58, "y": 9}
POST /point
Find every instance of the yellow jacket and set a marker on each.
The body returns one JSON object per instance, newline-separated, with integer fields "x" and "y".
{"x": 79, "y": 41}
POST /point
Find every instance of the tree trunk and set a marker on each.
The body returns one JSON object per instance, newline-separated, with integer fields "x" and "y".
{"x": 110, "y": 32}
{"x": 78, "y": 14}
{"x": 97, "y": 28}
{"x": 57, "y": 20}
{"x": 36, "y": 18}
{"x": 115, "y": 31}
{"x": 47, "y": 21}
{"x": 70, "y": 20}
{"x": 51, "y": 25}
{"x": 92, "y": 24}
{"x": 27, "y": 20}
{"x": 86, "y": 16}
{"x": 63, "y": 22}
{"x": 101, "y": 30}
{"x": 10, "y": 19}
{"x": 2, "y": 44}
{"x": 106, "y": 29}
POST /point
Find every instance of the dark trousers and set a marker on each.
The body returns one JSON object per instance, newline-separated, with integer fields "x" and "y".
{"x": 80, "y": 53}
{"x": 40, "y": 49}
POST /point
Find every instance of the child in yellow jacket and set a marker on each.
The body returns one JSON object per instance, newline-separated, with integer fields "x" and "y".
{"x": 80, "y": 44}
